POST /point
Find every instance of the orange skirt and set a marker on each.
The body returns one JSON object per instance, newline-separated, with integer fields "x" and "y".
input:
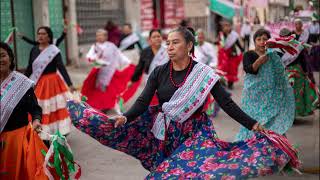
{"x": 52, "y": 94}
{"x": 20, "y": 155}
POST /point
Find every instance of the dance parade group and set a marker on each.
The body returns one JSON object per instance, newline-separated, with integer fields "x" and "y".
{"x": 167, "y": 128}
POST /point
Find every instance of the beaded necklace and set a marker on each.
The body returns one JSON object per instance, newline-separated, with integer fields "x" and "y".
{"x": 185, "y": 78}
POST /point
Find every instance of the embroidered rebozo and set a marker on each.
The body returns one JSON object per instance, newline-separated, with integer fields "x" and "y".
{"x": 159, "y": 59}
{"x": 128, "y": 41}
{"x": 13, "y": 88}
{"x": 112, "y": 59}
{"x": 186, "y": 100}
{"x": 42, "y": 61}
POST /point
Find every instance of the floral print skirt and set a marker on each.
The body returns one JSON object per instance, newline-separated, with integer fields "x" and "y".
{"x": 191, "y": 149}
{"x": 268, "y": 98}
{"x": 305, "y": 92}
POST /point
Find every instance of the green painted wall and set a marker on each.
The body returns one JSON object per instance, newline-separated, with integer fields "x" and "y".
{"x": 57, "y": 22}
{"x": 23, "y": 14}
{"x": 5, "y": 15}
{"x": 23, "y": 21}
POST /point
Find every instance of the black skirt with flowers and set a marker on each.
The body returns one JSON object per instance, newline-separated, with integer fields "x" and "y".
{"x": 191, "y": 149}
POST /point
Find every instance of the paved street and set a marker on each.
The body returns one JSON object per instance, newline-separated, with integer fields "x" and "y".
{"x": 97, "y": 30}
{"x": 99, "y": 162}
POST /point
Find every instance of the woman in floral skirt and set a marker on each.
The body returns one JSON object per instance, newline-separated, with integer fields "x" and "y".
{"x": 307, "y": 97}
{"x": 267, "y": 95}
{"x": 177, "y": 139}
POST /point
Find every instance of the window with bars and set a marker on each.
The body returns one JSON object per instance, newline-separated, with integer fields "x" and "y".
{"x": 94, "y": 14}
{"x": 199, "y": 23}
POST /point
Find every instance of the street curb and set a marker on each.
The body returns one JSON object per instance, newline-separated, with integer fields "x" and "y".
{"x": 315, "y": 170}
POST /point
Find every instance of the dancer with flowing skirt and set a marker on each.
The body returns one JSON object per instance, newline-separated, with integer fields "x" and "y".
{"x": 106, "y": 82}
{"x": 177, "y": 139}
{"x": 267, "y": 95}
{"x": 47, "y": 70}
{"x": 229, "y": 53}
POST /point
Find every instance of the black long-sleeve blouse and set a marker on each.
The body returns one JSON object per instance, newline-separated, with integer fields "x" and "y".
{"x": 249, "y": 58}
{"x": 132, "y": 45}
{"x": 32, "y": 42}
{"x": 52, "y": 67}
{"x": 19, "y": 116}
{"x": 159, "y": 82}
{"x": 145, "y": 60}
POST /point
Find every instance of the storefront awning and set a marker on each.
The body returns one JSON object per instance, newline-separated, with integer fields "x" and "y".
{"x": 225, "y": 8}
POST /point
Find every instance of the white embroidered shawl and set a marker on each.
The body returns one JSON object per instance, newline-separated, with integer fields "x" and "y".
{"x": 200, "y": 56}
{"x": 113, "y": 59}
{"x": 128, "y": 41}
{"x": 41, "y": 62}
{"x": 13, "y": 88}
{"x": 205, "y": 54}
{"x": 231, "y": 39}
{"x": 159, "y": 59}
{"x": 304, "y": 36}
{"x": 187, "y": 99}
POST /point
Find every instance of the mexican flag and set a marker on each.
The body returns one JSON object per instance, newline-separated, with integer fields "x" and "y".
{"x": 10, "y": 38}
{"x": 79, "y": 29}
{"x": 226, "y": 8}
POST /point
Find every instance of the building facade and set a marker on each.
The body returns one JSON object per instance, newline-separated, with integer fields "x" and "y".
{"x": 94, "y": 14}
{"x": 198, "y": 13}
{"x": 277, "y": 10}
{"x": 26, "y": 16}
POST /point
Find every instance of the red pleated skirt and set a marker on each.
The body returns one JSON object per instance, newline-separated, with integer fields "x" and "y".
{"x": 103, "y": 100}
{"x": 229, "y": 64}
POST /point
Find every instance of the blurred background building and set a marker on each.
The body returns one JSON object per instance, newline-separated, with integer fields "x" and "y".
{"x": 86, "y": 16}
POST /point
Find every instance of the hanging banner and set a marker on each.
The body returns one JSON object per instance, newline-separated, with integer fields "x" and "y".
{"x": 146, "y": 15}
{"x": 226, "y": 8}
{"x": 275, "y": 28}
{"x": 173, "y": 13}
{"x": 258, "y": 3}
